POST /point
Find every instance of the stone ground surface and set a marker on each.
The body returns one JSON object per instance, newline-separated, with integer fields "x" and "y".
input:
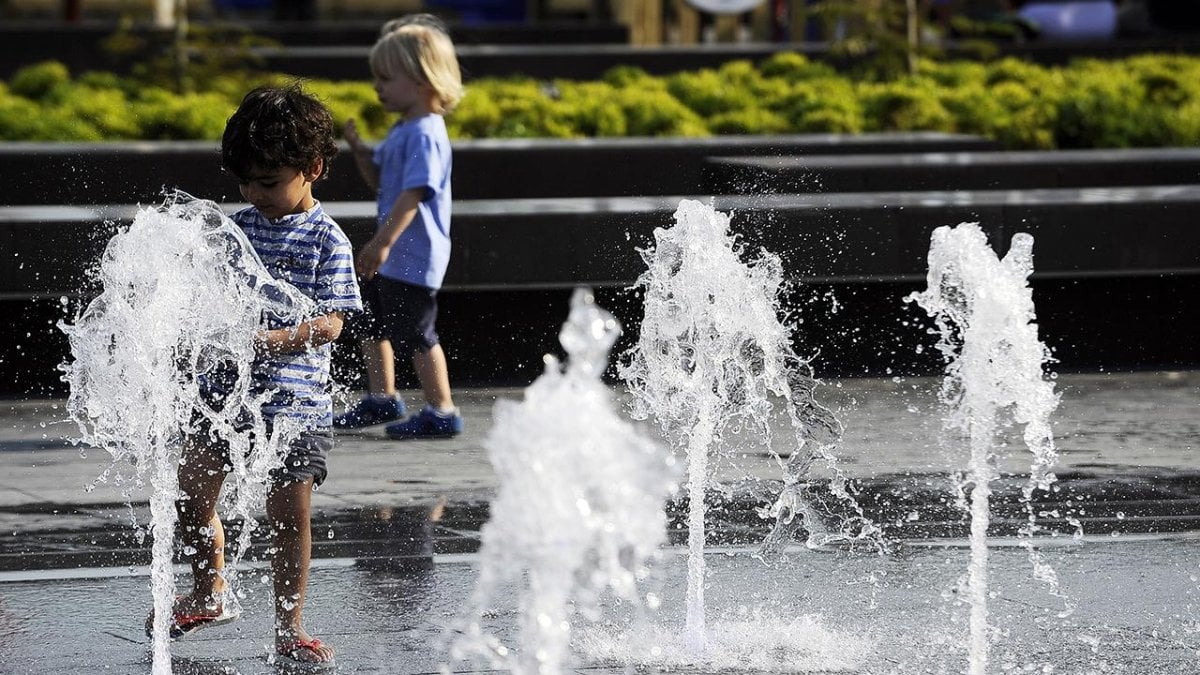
{"x": 390, "y": 580}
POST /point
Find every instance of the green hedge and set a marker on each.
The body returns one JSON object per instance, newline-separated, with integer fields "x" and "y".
{"x": 1151, "y": 100}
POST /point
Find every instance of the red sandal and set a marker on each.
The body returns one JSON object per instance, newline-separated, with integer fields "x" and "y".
{"x": 291, "y": 651}
{"x": 186, "y": 624}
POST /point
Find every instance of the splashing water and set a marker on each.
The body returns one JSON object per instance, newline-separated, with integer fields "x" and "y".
{"x": 183, "y": 294}
{"x": 758, "y": 643}
{"x": 580, "y": 507}
{"x": 713, "y": 361}
{"x": 983, "y": 309}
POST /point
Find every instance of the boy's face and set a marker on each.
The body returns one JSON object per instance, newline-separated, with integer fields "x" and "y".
{"x": 402, "y": 94}
{"x": 278, "y": 192}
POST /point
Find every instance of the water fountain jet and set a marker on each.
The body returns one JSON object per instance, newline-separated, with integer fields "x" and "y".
{"x": 579, "y": 512}
{"x": 983, "y": 311}
{"x": 713, "y": 358}
{"x": 183, "y": 294}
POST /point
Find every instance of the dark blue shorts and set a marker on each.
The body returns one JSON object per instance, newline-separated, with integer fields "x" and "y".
{"x": 403, "y": 313}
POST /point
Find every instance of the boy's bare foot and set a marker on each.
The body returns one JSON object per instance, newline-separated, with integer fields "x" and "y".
{"x": 298, "y": 646}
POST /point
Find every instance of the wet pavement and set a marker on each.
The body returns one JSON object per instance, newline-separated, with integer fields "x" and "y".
{"x": 397, "y": 524}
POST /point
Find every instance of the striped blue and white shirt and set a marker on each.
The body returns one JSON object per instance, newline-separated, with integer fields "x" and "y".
{"x": 309, "y": 251}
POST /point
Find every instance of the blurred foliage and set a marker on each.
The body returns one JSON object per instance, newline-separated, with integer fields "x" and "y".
{"x": 1149, "y": 100}
{"x": 180, "y": 60}
{"x": 882, "y": 37}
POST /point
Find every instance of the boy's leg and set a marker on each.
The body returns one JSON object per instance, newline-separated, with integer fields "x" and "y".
{"x": 434, "y": 377}
{"x": 201, "y": 473}
{"x": 289, "y": 510}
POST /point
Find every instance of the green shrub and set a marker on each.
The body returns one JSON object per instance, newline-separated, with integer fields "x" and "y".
{"x": 166, "y": 116}
{"x": 100, "y": 80}
{"x": 105, "y": 109}
{"x": 1149, "y": 100}
{"x": 352, "y": 101}
{"x": 39, "y": 81}
{"x": 707, "y": 93}
{"x": 749, "y": 121}
{"x": 657, "y": 113}
{"x": 1183, "y": 125}
{"x": 953, "y": 74}
{"x": 1012, "y": 69}
{"x": 822, "y": 106}
{"x": 591, "y": 109}
{"x": 629, "y": 76}
{"x": 741, "y": 73}
{"x": 24, "y": 120}
{"x": 792, "y": 67}
{"x": 903, "y": 106}
{"x": 977, "y": 109}
{"x": 514, "y": 108}
{"x": 830, "y": 121}
{"x": 476, "y": 116}
{"x": 1107, "y": 108}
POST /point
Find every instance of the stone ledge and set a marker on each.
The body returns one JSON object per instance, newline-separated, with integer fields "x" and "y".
{"x": 830, "y": 238}
{"x": 137, "y": 171}
{"x": 987, "y": 170}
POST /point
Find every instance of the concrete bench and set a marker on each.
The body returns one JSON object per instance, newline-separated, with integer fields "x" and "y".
{"x": 1117, "y": 274}
{"x": 831, "y": 238}
{"x": 80, "y": 46}
{"x": 137, "y": 172}
{"x": 988, "y": 170}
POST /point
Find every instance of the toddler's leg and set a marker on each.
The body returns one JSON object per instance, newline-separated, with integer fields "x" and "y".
{"x": 434, "y": 377}
{"x": 381, "y": 365}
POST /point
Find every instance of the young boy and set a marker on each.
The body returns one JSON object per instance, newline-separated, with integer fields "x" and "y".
{"x": 416, "y": 75}
{"x": 278, "y": 143}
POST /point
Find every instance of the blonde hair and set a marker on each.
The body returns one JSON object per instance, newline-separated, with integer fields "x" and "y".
{"x": 425, "y": 54}
{"x": 422, "y": 19}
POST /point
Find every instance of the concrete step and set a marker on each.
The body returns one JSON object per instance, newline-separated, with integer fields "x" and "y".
{"x": 137, "y": 172}
{"x": 828, "y": 238}
{"x": 988, "y": 170}
{"x": 1117, "y": 274}
{"x": 81, "y": 46}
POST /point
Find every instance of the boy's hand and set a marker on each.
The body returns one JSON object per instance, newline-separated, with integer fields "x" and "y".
{"x": 370, "y": 258}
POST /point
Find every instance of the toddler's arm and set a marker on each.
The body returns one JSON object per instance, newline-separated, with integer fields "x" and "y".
{"x": 373, "y": 254}
{"x": 362, "y": 155}
{"x": 311, "y": 334}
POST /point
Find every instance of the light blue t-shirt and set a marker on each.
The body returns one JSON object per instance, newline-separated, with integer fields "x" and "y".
{"x": 416, "y": 154}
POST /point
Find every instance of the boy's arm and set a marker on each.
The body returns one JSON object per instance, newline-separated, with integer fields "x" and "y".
{"x": 373, "y": 254}
{"x": 362, "y": 154}
{"x": 310, "y": 334}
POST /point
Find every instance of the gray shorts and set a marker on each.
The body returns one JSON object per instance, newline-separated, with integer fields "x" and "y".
{"x": 306, "y": 455}
{"x": 305, "y": 459}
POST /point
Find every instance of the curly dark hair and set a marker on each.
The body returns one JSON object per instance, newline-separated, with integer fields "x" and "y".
{"x": 278, "y": 127}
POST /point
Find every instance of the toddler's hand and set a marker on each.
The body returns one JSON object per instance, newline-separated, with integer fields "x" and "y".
{"x": 370, "y": 258}
{"x": 350, "y": 131}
